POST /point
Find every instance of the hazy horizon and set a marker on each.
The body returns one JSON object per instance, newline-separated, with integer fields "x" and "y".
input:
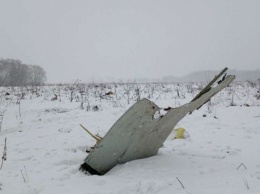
{"x": 93, "y": 40}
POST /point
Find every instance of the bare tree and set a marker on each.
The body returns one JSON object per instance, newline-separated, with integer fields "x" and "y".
{"x": 37, "y": 75}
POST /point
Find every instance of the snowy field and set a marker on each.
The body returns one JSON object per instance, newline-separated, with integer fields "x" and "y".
{"x": 46, "y": 145}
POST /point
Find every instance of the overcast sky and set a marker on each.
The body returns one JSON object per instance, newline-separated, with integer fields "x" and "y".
{"x": 84, "y": 39}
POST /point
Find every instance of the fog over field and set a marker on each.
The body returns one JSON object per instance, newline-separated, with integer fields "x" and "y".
{"x": 106, "y": 40}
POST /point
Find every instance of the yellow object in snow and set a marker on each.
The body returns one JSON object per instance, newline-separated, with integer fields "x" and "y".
{"x": 180, "y": 133}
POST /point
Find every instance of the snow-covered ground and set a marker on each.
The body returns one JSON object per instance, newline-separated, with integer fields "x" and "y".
{"x": 46, "y": 145}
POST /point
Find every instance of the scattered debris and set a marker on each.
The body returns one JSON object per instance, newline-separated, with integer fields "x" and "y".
{"x": 96, "y": 137}
{"x": 55, "y": 97}
{"x": 179, "y": 133}
{"x": 242, "y": 164}
{"x": 180, "y": 182}
{"x": 109, "y": 93}
{"x": 95, "y": 108}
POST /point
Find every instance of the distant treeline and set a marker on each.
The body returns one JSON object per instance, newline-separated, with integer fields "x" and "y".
{"x": 14, "y": 73}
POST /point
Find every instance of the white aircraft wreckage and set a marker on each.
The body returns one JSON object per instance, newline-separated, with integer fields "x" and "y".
{"x": 138, "y": 134}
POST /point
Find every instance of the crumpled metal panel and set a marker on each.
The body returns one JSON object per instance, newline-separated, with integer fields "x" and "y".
{"x": 121, "y": 135}
{"x": 138, "y": 135}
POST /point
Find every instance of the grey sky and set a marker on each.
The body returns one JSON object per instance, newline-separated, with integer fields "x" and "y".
{"x": 83, "y": 39}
